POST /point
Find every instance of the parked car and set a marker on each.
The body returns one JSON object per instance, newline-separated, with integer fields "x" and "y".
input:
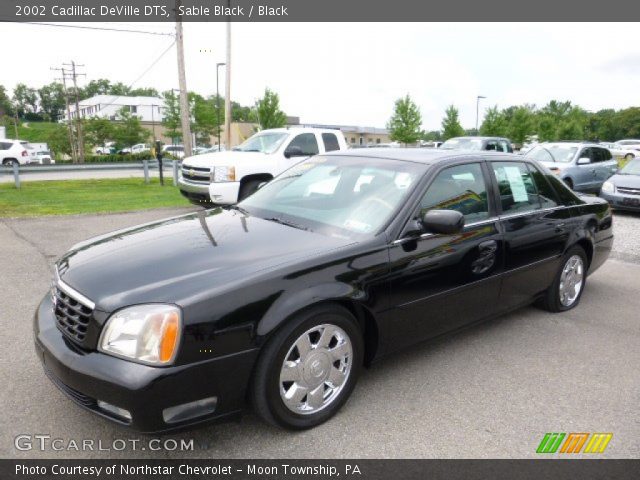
{"x": 582, "y": 166}
{"x": 228, "y": 177}
{"x": 43, "y": 157}
{"x": 620, "y": 151}
{"x": 15, "y": 152}
{"x": 176, "y": 151}
{"x": 495, "y": 144}
{"x": 283, "y": 298}
{"x": 632, "y": 143}
{"x": 622, "y": 190}
{"x": 137, "y": 148}
{"x": 106, "y": 149}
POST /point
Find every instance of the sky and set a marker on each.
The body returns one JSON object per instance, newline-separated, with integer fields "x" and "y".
{"x": 351, "y": 73}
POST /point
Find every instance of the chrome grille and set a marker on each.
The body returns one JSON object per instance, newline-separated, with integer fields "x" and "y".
{"x": 196, "y": 174}
{"x": 72, "y": 317}
{"x": 628, "y": 191}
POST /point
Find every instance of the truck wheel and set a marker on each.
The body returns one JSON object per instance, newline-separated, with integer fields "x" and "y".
{"x": 628, "y": 156}
{"x": 308, "y": 369}
{"x": 248, "y": 188}
{"x": 9, "y": 162}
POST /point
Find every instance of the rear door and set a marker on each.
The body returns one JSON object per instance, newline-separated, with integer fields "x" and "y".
{"x": 584, "y": 176}
{"x": 441, "y": 282}
{"x": 535, "y": 230}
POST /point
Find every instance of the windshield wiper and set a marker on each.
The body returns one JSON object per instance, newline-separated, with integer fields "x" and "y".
{"x": 287, "y": 223}
{"x": 239, "y": 209}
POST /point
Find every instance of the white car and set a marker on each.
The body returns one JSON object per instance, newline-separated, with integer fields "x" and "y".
{"x": 225, "y": 178}
{"x": 174, "y": 150}
{"x": 43, "y": 157}
{"x": 15, "y": 152}
{"x": 629, "y": 143}
{"x": 621, "y": 151}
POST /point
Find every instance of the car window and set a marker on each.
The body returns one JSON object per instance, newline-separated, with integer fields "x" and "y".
{"x": 491, "y": 146}
{"x": 546, "y": 195}
{"x": 330, "y": 142}
{"x": 598, "y": 155}
{"x": 607, "y": 154}
{"x": 518, "y": 192}
{"x": 306, "y": 142}
{"x": 586, "y": 153}
{"x": 504, "y": 146}
{"x": 461, "y": 188}
{"x": 5, "y": 146}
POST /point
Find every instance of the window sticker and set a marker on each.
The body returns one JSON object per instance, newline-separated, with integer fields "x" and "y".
{"x": 518, "y": 189}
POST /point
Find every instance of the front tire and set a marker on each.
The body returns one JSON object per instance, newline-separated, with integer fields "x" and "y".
{"x": 309, "y": 368}
{"x": 10, "y": 162}
{"x": 566, "y": 290}
{"x": 569, "y": 183}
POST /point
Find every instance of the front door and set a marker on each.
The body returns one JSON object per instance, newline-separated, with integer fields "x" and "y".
{"x": 441, "y": 282}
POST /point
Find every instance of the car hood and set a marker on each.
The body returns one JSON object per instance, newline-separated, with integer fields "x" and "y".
{"x": 625, "y": 181}
{"x": 221, "y": 159}
{"x": 179, "y": 259}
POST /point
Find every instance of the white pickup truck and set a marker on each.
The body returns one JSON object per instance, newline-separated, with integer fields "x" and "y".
{"x": 225, "y": 178}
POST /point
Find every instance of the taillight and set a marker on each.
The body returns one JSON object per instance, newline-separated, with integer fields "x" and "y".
{"x": 24, "y": 153}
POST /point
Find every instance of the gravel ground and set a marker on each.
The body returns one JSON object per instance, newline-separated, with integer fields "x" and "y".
{"x": 626, "y": 228}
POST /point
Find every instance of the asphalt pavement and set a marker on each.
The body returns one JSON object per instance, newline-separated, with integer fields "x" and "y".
{"x": 490, "y": 391}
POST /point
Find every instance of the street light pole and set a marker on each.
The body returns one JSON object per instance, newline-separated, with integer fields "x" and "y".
{"x": 478, "y": 110}
{"x": 218, "y": 65}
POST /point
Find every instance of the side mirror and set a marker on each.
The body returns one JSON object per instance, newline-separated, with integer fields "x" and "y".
{"x": 584, "y": 161}
{"x": 294, "y": 151}
{"x": 443, "y": 221}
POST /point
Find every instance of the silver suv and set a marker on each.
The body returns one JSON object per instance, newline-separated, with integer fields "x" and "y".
{"x": 584, "y": 167}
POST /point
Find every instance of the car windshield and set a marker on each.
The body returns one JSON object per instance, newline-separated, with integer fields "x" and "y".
{"x": 631, "y": 168}
{"x": 262, "y": 142}
{"x": 349, "y": 197}
{"x": 552, "y": 153}
{"x": 462, "y": 143}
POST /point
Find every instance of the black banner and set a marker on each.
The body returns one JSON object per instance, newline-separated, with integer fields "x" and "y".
{"x": 315, "y": 10}
{"x": 585, "y": 469}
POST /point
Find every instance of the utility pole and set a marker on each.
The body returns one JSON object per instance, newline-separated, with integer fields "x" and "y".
{"x": 218, "y": 65}
{"x": 227, "y": 88}
{"x": 74, "y": 77}
{"x": 72, "y": 143}
{"x": 478, "y": 111}
{"x": 184, "y": 99}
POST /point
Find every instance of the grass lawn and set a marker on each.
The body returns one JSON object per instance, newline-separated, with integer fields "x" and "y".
{"x": 66, "y": 197}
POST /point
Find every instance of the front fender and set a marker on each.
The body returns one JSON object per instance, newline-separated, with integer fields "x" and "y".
{"x": 292, "y": 302}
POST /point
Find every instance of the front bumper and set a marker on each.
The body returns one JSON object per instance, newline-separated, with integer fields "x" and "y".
{"x": 144, "y": 391}
{"x": 622, "y": 202}
{"x": 224, "y": 193}
{"x": 195, "y": 192}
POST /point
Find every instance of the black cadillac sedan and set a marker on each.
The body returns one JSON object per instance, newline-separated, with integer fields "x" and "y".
{"x": 280, "y": 301}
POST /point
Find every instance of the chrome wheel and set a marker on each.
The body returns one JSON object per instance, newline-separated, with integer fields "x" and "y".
{"x": 315, "y": 369}
{"x": 571, "y": 280}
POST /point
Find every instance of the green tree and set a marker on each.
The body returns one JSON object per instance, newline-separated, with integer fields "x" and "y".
{"x": 98, "y": 131}
{"x": 171, "y": 119}
{"x": 52, "y": 101}
{"x": 129, "y": 131}
{"x": 268, "y": 111}
{"x": 405, "y": 125}
{"x": 25, "y": 98}
{"x": 205, "y": 117}
{"x": 494, "y": 123}
{"x": 144, "y": 92}
{"x": 6, "y": 107}
{"x": 101, "y": 86}
{"x": 451, "y": 124}
{"x": 240, "y": 113}
{"x": 58, "y": 140}
{"x": 521, "y": 124}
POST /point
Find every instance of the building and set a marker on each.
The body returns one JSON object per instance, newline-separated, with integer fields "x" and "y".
{"x": 147, "y": 109}
{"x": 359, "y": 136}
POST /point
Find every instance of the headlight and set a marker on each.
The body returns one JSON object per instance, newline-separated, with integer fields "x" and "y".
{"x": 608, "y": 187}
{"x": 144, "y": 333}
{"x": 224, "y": 174}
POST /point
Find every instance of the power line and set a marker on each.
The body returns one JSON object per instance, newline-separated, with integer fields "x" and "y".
{"x": 109, "y": 29}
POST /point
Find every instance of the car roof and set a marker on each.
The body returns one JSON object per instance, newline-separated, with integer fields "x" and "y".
{"x": 427, "y": 156}
{"x": 572, "y": 144}
{"x": 295, "y": 129}
{"x": 480, "y": 138}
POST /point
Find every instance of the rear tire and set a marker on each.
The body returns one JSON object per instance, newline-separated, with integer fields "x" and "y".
{"x": 248, "y": 188}
{"x": 9, "y": 162}
{"x": 567, "y": 287}
{"x": 299, "y": 387}
{"x": 629, "y": 156}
